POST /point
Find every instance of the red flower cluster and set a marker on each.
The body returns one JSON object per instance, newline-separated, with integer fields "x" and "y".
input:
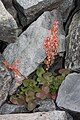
{"x": 51, "y": 45}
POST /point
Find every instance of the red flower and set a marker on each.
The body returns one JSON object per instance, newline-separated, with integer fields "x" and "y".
{"x": 51, "y": 45}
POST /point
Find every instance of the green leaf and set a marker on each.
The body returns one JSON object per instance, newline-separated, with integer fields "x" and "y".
{"x": 59, "y": 79}
{"x": 23, "y": 90}
{"x": 53, "y": 89}
{"x": 14, "y": 100}
{"x": 40, "y": 71}
{"x": 31, "y": 105}
{"x": 30, "y": 95}
{"x": 25, "y": 82}
{"x": 41, "y": 95}
{"x": 64, "y": 72}
{"x": 21, "y": 93}
{"x": 41, "y": 80}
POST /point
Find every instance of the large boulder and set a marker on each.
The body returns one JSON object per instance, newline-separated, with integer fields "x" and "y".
{"x": 69, "y": 93}
{"x": 55, "y": 115}
{"x": 8, "y": 26}
{"x": 29, "y": 48}
{"x": 73, "y": 44}
{"x": 5, "y": 81}
{"x": 28, "y": 11}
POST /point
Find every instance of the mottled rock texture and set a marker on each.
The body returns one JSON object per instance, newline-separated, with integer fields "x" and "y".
{"x": 69, "y": 93}
{"x": 45, "y": 106}
{"x": 5, "y": 81}
{"x": 65, "y": 8}
{"x": 8, "y": 26}
{"x": 9, "y": 7}
{"x": 12, "y": 109}
{"x": 73, "y": 43}
{"x": 28, "y": 11}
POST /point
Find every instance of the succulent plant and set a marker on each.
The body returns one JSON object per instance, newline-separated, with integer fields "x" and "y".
{"x": 43, "y": 86}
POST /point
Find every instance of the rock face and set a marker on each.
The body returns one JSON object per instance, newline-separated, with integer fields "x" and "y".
{"x": 29, "y": 48}
{"x": 9, "y": 6}
{"x": 65, "y": 8}
{"x": 8, "y": 26}
{"x": 69, "y": 93}
{"x": 5, "y": 81}
{"x": 56, "y": 115}
{"x": 12, "y": 109}
{"x": 30, "y": 10}
{"x": 73, "y": 43}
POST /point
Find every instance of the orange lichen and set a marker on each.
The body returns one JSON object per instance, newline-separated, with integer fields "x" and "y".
{"x": 51, "y": 45}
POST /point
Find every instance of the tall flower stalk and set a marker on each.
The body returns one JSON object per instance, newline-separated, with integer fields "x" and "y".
{"x": 51, "y": 45}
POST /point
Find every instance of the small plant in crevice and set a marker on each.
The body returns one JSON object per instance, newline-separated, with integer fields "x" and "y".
{"x": 43, "y": 85}
{"x": 13, "y": 67}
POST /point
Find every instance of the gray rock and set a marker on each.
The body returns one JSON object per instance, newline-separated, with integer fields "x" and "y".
{"x": 30, "y": 10}
{"x": 75, "y": 8}
{"x": 29, "y": 48}
{"x": 8, "y": 26}
{"x": 9, "y": 6}
{"x": 65, "y": 8}
{"x": 12, "y": 109}
{"x": 5, "y": 81}
{"x": 73, "y": 44}
{"x": 45, "y": 105}
{"x": 69, "y": 93}
{"x": 55, "y": 115}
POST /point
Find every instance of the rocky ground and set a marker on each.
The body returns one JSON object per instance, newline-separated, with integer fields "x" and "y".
{"x": 24, "y": 25}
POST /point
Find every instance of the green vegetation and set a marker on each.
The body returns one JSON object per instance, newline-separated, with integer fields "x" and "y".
{"x": 43, "y": 85}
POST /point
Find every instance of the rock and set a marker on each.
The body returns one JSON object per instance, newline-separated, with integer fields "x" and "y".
{"x": 73, "y": 44}
{"x": 8, "y": 26}
{"x": 5, "y": 81}
{"x": 45, "y": 106}
{"x": 69, "y": 93}
{"x": 55, "y": 115}
{"x": 29, "y": 48}
{"x": 75, "y": 8}
{"x": 28, "y": 11}
{"x": 65, "y": 8}
{"x": 12, "y": 109}
{"x": 9, "y": 6}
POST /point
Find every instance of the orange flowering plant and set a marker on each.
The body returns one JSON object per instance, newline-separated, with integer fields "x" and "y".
{"x": 14, "y": 68}
{"x": 51, "y": 45}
